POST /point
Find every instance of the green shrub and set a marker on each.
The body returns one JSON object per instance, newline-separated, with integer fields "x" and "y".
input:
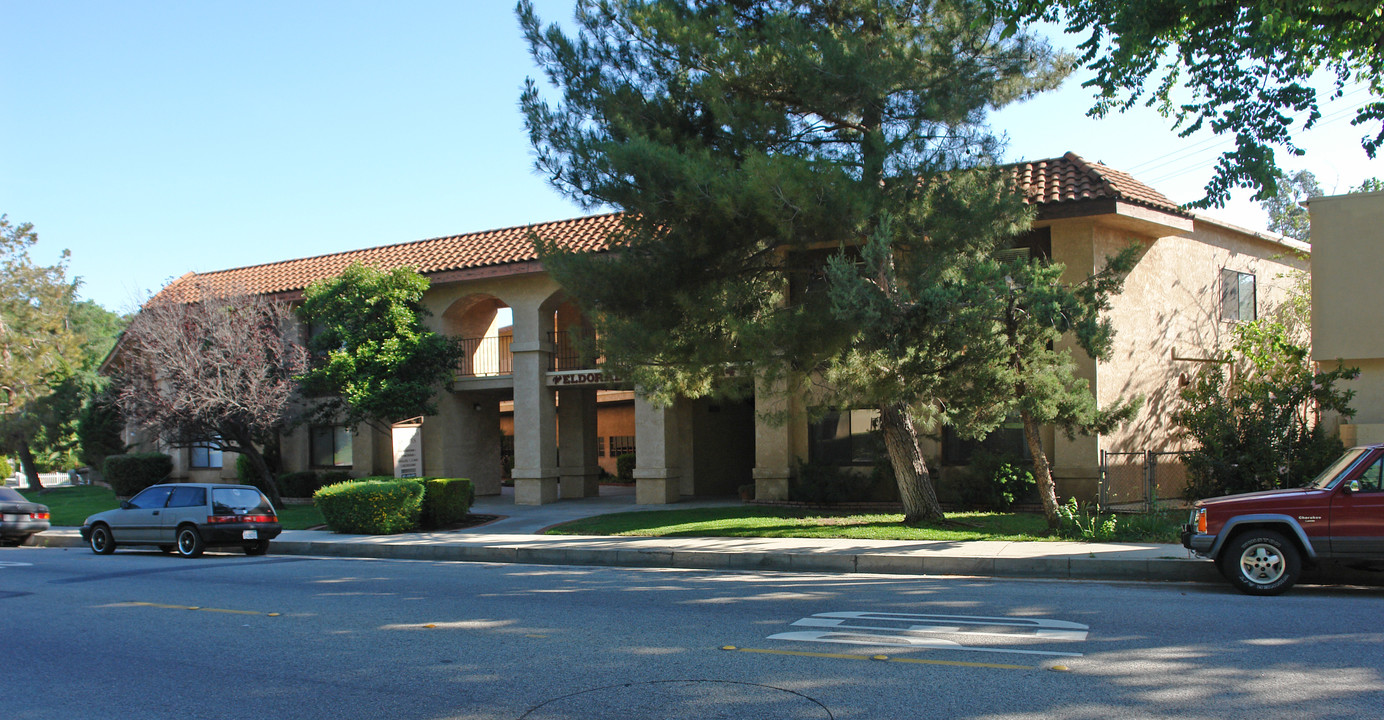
{"x": 1082, "y": 522}
{"x": 827, "y": 485}
{"x": 300, "y": 484}
{"x": 332, "y": 477}
{"x": 245, "y": 474}
{"x": 372, "y": 506}
{"x": 446, "y": 501}
{"x": 5, "y": 469}
{"x": 624, "y": 468}
{"x": 128, "y": 474}
{"x": 994, "y": 482}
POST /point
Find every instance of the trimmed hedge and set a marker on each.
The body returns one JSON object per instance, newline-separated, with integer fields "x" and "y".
{"x": 624, "y": 468}
{"x": 446, "y": 501}
{"x": 372, "y": 506}
{"x": 128, "y": 474}
{"x": 300, "y": 484}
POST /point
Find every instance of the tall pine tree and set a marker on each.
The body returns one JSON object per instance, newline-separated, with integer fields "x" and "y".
{"x": 748, "y": 143}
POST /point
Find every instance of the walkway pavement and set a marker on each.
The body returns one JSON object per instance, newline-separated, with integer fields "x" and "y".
{"x": 513, "y": 538}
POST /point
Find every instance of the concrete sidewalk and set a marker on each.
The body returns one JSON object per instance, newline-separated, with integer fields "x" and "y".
{"x": 513, "y": 538}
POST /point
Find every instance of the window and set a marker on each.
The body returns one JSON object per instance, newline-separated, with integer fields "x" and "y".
{"x": 1372, "y": 480}
{"x": 621, "y": 445}
{"x": 600, "y": 447}
{"x": 1007, "y": 439}
{"x": 184, "y": 496}
{"x": 1237, "y": 296}
{"x": 331, "y": 446}
{"x": 154, "y": 497}
{"x": 845, "y": 437}
{"x": 203, "y": 456}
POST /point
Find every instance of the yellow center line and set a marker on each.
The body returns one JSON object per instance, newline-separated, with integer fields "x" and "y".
{"x": 162, "y": 606}
{"x": 879, "y": 658}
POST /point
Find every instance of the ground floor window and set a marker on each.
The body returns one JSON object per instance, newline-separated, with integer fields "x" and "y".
{"x": 600, "y": 447}
{"x": 1006, "y": 440}
{"x": 331, "y": 446}
{"x": 204, "y": 455}
{"x": 621, "y": 445}
{"x": 845, "y": 437}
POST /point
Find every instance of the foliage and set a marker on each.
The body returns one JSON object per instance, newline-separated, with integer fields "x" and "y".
{"x": 1083, "y": 522}
{"x": 1255, "y": 416}
{"x": 624, "y": 468}
{"x": 100, "y": 430}
{"x": 748, "y": 143}
{"x": 128, "y": 474}
{"x": 214, "y": 368}
{"x": 36, "y": 342}
{"x": 371, "y": 506}
{"x": 820, "y": 484}
{"x": 300, "y": 484}
{"x": 994, "y": 482}
{"x": 1373, "y": 184}
{"x": 6, "y": 470}
{"x": 1287, "y": 216}
{"x": 1239, "y": 68}
{"x": 373, "y": 360}
{"x": 446, "y": 501}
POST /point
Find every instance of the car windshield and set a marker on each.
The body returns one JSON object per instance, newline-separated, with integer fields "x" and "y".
{"x": 1335, "y": 469}
{"x": 239, "y": 501}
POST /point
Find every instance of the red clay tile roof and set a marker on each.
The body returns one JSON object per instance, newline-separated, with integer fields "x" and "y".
{"x": 1046, "y": 182}
{"x": 457, "y": 252}
{"x": 1070, "y": 179}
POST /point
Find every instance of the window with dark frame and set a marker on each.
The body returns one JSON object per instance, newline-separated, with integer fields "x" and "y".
{"x": 204, "y": 456}
{"x": 845, "y": 437}
{"x": 621, "y": 445}
{"x": 1006, "y": 440}
{"x": 1238, "y": 296}
{"x": 330, "y": 446}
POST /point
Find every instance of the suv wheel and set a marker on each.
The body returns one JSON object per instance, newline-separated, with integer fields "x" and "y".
{"x": 190, "y": 543}
{"x": 1260, "y": 562}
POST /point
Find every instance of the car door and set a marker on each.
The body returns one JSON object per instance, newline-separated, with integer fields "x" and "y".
{"x": 187, "y": 503}
{"x": 140, "y": 520}
{"x": 1357, "y": 512}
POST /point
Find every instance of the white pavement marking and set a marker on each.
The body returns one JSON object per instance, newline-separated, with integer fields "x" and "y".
{"x": 910, "y": 630}
{"x": 9, "y": 563}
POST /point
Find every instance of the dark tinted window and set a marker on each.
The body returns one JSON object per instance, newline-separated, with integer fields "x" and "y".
{"x": 154, "y": 497}
{"x": 11, "y": 495}
{"x": 187, "y": 497}
{"x": 239, "y": 501}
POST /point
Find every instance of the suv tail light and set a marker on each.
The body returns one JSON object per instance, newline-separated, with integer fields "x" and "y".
{"x": 217, "y": 519}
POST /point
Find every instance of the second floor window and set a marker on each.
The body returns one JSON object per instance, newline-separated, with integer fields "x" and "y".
{"x": 1237, "y": 296}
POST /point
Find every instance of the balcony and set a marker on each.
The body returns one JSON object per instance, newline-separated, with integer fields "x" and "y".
{"x": 486, "y": 357}
{"x": 573, "y": 351}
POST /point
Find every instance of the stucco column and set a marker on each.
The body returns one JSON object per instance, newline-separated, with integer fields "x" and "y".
{"x": 773, "y": 440}
{"x": 463, "y": 440}
{"x": 576, "y": 427}
{"x": 535, "y": 425}
{"x": 657, "y": 466}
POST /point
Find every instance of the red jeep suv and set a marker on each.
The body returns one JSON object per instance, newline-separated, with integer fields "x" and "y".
{"x": 1261, "y": 540}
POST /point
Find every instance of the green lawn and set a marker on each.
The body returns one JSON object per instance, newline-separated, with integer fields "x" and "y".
{"x": 777, "y": 522}
{"x": 71, "y": 505}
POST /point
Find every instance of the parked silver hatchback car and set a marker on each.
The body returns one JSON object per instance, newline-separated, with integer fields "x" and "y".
{"x": 188, "y": 518}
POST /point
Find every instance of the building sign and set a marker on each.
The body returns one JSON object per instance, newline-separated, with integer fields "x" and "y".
{"x": 579, "y": 377}
{"x": 408, "y": 448}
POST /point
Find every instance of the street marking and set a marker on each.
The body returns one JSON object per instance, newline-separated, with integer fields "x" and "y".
{"x": 916, "y": 631}
{"x": 161, "y": 606}
{"x": 11, "y": 563}
{"x": 949, "y": 624}
{"x": 879, "y": 658}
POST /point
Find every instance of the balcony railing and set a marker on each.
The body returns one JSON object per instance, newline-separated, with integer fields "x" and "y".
{"x": 486, "y": 357}
{"x": 574, "y": 350}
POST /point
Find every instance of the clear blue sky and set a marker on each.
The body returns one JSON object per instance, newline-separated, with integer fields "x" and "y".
{"x": 156, "y": 138}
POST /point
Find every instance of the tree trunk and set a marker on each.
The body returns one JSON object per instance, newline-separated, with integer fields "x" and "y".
{"x": 1042, "y": 472}
{"x": 910, "y": 470}
{"x": 257, "y": 461}
{"x": 26, "y": 461}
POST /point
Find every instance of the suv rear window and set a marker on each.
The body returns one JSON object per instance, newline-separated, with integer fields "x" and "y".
{"x": 239, "y": 501}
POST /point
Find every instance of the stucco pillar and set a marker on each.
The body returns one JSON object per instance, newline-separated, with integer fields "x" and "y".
{"x": 463, "y": 440}
{"x": 535, "y": 424}
{"x": 658, "y": 467}
{"x": 576, "y": 426}
{"x": 773, "y": 440}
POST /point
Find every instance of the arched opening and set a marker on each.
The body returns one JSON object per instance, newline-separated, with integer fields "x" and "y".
{"x": 485, "y": 327}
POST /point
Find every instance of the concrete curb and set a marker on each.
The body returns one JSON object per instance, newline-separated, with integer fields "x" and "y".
{"x": 648, "y": 553}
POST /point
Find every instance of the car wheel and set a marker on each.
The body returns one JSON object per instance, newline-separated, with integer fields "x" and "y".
{"x": 101, "y": 541}
{"x": 190, "y": 543}
{"x": 1261, "y": 562}
{"x": 258, "y": 547}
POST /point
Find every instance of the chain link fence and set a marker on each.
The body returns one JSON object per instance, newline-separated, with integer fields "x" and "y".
{"x": 1140, "y": 482}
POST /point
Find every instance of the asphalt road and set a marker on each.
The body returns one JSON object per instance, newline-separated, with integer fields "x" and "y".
{"x": 143, "y": 635}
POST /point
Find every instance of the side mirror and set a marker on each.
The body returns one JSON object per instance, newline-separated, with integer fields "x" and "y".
{"x": 125, "y": 505}
{"x": 1354, "y": 486}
